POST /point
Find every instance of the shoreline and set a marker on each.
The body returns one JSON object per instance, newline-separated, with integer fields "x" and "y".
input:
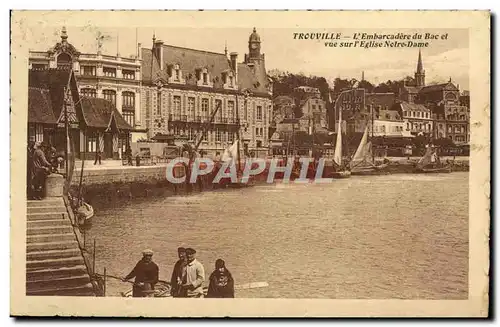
{"x": 112, "y": 186}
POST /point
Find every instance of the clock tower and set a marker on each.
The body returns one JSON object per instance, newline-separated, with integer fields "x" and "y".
{"x": 254, "y": 46}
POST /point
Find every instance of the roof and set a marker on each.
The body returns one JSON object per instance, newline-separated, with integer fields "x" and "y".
{"x": 380, "y": 99}
{"x": 54, "y": 80}
{"x": 437, "y": 87}
{"x": 413, "y": 107}
{"x": 389, "y": 115}
{"x": 191, "y": 60}
{"x": 411, "y": 89}
{"x": 40, "y": 106}
{"x": 100, "y": 113}
{"x": 290, "y": 121}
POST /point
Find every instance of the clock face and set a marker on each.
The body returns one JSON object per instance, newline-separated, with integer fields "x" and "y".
{"x": 254, "y": 45}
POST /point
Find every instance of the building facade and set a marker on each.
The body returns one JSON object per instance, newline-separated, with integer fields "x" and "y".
{"x": 313, "y": 109}
{"x": 114, "y": 78}
{"x": 93, "y": 124}
{"x": 443, "y": 103}
{"x": 417, "y": 118}
{"x": 183, "y": 87}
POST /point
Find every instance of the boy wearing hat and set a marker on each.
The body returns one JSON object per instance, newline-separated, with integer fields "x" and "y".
{"x": 146, "y": 275}
{"x": 195, "y": 275}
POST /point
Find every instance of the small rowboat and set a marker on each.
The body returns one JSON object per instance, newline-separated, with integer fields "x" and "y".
{"x": 446, "y": 169}
{"x": 341, "y": 174}
{"x": 84, "y": 213}
{"x": 162, "y": 288}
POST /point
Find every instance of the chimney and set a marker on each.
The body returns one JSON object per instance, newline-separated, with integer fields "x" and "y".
{"x": 234, "y": 62}
{"x": 158, "y": 51}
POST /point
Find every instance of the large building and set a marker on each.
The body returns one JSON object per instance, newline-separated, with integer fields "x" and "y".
{"x": 442, "y": 107}
{"x": 114, "y": 78}
{"x": 182, "y": 87}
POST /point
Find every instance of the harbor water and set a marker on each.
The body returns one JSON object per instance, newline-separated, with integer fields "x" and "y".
{"x": 366, "y": 237}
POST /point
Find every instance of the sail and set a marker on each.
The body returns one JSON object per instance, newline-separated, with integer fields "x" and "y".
{"x": 428, "y": 158}
{"x": 231, "y": 153}
{"x": 337, "y": 156}
{"x": 363, "y": 151}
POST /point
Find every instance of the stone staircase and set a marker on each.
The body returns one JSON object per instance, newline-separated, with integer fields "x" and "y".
{"x": 54, "y": 262}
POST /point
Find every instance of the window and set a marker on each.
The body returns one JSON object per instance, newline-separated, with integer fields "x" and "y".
{"x": 231, "y": 81}
{"x": 64, "y": 61}
{"x": 218, "y": 106}
{"x": 404, "y": 113}
{"x": 91, "y": 141}
{"x": 205, "y": 78}
{"x": 440, "y": 126}
{"x": 313, "y": 107}
{"x": 38, "y": 66}
{"x": 128, "y": 100}
{"x": 259, "y": 112}
{"x": 109, "y": 95}
{"x": 87, "y": 92}
{"x": 449, "y": 129}
{"x": 177, "y": 75}
{"x": 462, "y": 129}
{"x": 407, "y": 126}
{"x": 204, "y": 108}
{"x": 319, "y": 107}
{"x": 190, "y": 107}
{"x": 128, "y": 74}
{"x": 418, "y": 114}
{"x": 129, "y": 116}
{"x": 230, "y": 137}
{"x": 109, "y": 72}
{"x": 218, "y": 135}
{"x": 230, "y": 109}
{"x": 177, "y": 105}
{"x": 190, "y": 133}
{"x": 88, "y": 70}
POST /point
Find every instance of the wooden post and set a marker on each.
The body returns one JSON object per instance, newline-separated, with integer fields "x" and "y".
{"x": 104, "y": 282}
{"x": 93, "y": 258}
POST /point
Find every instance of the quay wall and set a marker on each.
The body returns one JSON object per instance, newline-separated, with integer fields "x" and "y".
{"x": 116, "y": 184}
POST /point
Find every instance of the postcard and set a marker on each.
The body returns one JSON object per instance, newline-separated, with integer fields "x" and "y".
{"x": 250, "y": 163}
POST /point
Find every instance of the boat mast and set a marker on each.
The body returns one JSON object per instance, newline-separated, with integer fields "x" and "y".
{"x": 371, "y": 138}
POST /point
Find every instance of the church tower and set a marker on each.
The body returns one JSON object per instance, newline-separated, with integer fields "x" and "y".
{"x": 253, "y": 48}
{"x": 420, "y": 73}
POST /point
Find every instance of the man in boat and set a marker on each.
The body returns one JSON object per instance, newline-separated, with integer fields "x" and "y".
{"x": 195, "y": 275}
{"x": 179, "y": 274}
{"x": 41, "y": 169}
{"x": 146, "y": 275}
{"x": 221, "y": 282}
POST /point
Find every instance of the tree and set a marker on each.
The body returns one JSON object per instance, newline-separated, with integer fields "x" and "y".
{"x": 366, "y": 85}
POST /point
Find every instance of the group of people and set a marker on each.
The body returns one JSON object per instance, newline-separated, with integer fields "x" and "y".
{"x": 188, "y": 277}
{"x": 39, "y": 167}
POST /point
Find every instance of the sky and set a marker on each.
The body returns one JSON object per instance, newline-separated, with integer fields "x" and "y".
{"x": 442, "y": 60}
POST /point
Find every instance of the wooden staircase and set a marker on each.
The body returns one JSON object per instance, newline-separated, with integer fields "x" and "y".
{"x": 54, "y": 261}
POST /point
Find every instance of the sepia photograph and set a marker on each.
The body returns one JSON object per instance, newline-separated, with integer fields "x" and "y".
{"x": 247, "y": 160}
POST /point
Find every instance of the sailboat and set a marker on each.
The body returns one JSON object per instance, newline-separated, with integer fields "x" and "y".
{"x": 341, "y": 171}
{"x": 430, "y": 163}
{"x": 363, "y": 163}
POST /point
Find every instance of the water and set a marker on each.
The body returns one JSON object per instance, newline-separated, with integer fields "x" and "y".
{"x": 373, "y": 237}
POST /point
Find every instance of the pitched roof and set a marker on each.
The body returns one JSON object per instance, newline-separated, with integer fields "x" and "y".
{"x": 411, "y": 89}
{"x": 380, "y": 99}
{"x": 100, "y": 113}
{"x": 191, "y": 60}
{"x": 54, "y": 80}
{"x": 437, "y": 87}
{"x": 413, "y": 106}
{"x": 389, "y": 115}
{"x": 40, "y": 106}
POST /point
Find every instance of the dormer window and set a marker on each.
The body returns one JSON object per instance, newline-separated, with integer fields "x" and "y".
{"x": 175, "y": 73}
{"x": 231, "y": 81}
{"x": 204, "y": 78}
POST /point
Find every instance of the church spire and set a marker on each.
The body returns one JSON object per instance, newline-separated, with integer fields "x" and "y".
{"x": 420, "y": 73}
{"x": 420, "y": 66}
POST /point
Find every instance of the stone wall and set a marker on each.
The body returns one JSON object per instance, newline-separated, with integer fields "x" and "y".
{"x": 120, "y": 175}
